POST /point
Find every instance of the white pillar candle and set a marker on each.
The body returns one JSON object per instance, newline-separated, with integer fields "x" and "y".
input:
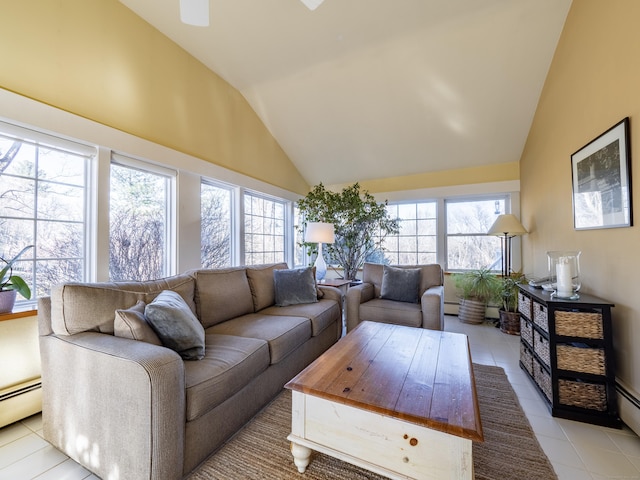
{"x": 565, "y": 284}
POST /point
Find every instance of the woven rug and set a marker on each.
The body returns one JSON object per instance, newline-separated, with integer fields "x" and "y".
{"x": 260, "y": 450}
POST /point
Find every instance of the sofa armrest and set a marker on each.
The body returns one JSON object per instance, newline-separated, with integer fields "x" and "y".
{"x": 331, "y": 293}
{"x": 432, "y": 303}
{"x": 114, "y": 404}
{"x": 355, "y": 296}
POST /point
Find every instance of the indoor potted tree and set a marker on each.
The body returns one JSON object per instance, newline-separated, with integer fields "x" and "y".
{"x": 11, "y": 284}
{"x": 360, "y": 224}
{"x": 476, "y": 288}
{"x": 507, "y": 294}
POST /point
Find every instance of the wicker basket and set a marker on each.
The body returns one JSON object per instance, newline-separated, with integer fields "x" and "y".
{"x": 540, "y": 316}
{"x": 541, "y": 347}
{"x": 509, "y": 322}
{"x": 591, "y": 396}
{"x": 524, "y": 305}
{"x": 526, "y": 331}
{"x": 579, "y": 324}
{"x": 543, "y": 379}
{"x": 526, "y": 358}
{"x": 581, "y": 359}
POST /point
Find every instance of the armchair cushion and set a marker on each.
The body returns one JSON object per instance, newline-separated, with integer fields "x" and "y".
{"x": 176, "y": 325}
{"x": 400, "y": 284}
{"x": 295, "y": 286}
{"x": 131, "y": 323}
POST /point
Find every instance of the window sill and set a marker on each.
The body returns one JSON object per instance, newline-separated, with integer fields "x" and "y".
{"x": 19, "y": 314}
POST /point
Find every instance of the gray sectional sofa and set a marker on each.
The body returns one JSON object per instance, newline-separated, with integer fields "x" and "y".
{"x": 126, "y": 407}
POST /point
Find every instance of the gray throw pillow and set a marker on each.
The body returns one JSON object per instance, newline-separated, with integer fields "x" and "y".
{"x": 400, "y": 284}
{"x": 295, "y": 286}
{"x": 176, "y": 325}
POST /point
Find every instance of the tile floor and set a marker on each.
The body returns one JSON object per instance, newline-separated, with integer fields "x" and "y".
{"x": 578, "y": 451}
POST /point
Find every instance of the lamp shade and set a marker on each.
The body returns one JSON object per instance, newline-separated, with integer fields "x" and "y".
{"x": 312, "y": 4}
{"x": 195, "y": 12}
{"x": 507, "y": 224}
{"x": 319, "y": 232}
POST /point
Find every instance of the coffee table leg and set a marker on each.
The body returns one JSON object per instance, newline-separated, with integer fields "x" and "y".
{"x": 301, "y": 456}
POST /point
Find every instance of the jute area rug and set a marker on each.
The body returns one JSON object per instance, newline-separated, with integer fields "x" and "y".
{"x": 260, "y": 450}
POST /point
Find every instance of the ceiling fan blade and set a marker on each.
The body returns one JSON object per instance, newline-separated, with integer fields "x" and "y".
{"x": 195, "y": 12}
{"x": 312, "y": 4}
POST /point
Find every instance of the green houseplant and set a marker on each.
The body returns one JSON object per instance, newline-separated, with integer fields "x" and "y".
{"x": 360, "y": 224}
{"x": 507, "y": 294}
{"x": 11, "y": 284}
{"x": 476, "y": 288}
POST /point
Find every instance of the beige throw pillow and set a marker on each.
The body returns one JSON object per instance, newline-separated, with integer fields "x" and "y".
{"x": 131, "y": 323}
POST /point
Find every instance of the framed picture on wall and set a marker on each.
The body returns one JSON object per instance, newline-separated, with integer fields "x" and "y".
{"x": 601, "y": 175}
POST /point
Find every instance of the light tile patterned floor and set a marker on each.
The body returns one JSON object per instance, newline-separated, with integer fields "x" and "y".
{"x": 578, "y": 451}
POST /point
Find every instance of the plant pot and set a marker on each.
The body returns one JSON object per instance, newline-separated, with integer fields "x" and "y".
{"x": 509, "y": 322}
{"x": 471, "y": 311}
{"x": 7, "y": 300}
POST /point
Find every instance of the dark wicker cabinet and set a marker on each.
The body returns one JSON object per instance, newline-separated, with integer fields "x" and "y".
{"x": 566, "y": 348}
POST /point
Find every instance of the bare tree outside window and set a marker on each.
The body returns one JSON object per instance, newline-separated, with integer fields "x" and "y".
{"x": 138, "y": 224}
{"x": 264, "y": 224}
{"x": 416, "y": 241}
{"x": 468, "y": 245}
{"x": 42, "y": 203}
{"x": 215, "y": 226}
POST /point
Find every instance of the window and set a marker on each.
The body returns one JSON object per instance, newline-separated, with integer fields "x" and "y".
{"x": 467, "y": 223}
{"x": 264, "y": 229}
{"x": 215, "y": 226}
{"x": 141, "y": 223}
{"x": 416, "y": 242}
{"x": 43, "y": 202}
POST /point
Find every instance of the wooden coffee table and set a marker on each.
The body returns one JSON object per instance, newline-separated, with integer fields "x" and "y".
{"x": 398, "y": 401}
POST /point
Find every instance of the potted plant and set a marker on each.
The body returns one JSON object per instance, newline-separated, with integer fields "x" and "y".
{"x": 360, "y": 224}
{"x": 11, "y": 284}
{"x": 507, "y": 294}
{"x": 476, "y": 288}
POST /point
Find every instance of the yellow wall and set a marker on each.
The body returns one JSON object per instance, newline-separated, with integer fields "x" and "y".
{"x": 99, "y": 60}
{"x": 447, "y": 178}
{"x": 593, "y": 83}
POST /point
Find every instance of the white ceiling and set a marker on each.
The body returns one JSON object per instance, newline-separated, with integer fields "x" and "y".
{"x": 367, "y": 89}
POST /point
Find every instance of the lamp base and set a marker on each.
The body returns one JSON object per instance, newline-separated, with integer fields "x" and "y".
{"x": 321, "y": 265}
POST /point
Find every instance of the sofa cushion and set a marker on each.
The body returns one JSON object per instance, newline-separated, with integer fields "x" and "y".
{"x": 82, "y": 307}
{"x": 222, "y": 295}
{"x": 176, "y": 325}
{"x": 261, "y": 284}
{"x": 400, "y": 284}
{"x": 390, "y": 311}
{"x": 228, "y": 365}
{"x": 296, "y": 286}
{"x": 131, "y": 323}
{"x": 283, "y": 334}
{"x": 321, "y": 314}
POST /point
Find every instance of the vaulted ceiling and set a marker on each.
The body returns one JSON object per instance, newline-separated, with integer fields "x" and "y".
{"x": 370, "y": 89}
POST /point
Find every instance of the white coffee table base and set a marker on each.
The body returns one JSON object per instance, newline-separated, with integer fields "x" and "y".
{"x": 378, "y": 443}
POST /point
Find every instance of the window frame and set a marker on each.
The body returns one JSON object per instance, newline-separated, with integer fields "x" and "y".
{"x": 508, "y": 207}
{"x": 53, "y": 142}
{"x": 170, "y": 208}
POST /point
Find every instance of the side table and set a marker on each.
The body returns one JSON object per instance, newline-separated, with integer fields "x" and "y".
{"x": 339, "y": 283}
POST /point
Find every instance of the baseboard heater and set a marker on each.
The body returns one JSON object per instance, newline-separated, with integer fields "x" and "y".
{"x": 629, "y": 406}
{"x": 20, "y": 401}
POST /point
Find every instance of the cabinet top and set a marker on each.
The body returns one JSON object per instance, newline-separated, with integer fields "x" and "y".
{"x": 545, "y": 297}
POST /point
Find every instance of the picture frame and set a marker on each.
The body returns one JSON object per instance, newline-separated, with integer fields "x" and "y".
{"x": 601, "y": 178}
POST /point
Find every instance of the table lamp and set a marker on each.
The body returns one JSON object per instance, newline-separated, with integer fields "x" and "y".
{"x": 506, "y": 226}
{"x": 320, "y": 232}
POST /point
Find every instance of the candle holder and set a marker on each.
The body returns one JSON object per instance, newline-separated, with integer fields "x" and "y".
{"x": 564, "y": 274}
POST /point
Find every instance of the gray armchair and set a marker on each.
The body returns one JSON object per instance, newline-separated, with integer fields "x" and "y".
{"x": 364, "y": 301}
